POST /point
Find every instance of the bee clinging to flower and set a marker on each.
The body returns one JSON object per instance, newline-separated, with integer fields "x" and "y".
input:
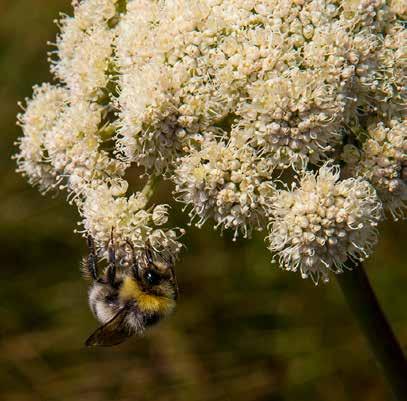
{"x": 128, "y": 299}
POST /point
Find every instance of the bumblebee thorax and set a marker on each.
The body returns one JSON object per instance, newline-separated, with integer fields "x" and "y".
{"x": 147, "y": 302}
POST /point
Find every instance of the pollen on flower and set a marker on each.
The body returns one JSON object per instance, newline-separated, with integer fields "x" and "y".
{"x": 318, "y": 225}
{"x": 226, "y": 183}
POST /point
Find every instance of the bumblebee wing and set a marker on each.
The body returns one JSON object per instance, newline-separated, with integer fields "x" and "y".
{"x": 113, "y": 332}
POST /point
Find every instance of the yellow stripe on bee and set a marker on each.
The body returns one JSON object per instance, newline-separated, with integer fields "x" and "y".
{"x": 146, "y": 302}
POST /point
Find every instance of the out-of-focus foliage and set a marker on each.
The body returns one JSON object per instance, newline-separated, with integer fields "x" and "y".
{"x": 243, "y": 329}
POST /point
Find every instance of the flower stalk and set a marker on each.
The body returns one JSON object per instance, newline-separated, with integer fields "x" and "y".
{"x": 363, "y": 302}
{"x": 149, "y": 187}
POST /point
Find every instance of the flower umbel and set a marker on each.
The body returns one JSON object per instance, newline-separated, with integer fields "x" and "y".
{"x": 227, "y": 100}
{"x": 321, "y": 223}
{"x": 383, "y": 162}
{"x": 104, "y": 210}
{"x": 225, "y": 182}
{"x": 38, "y": 119}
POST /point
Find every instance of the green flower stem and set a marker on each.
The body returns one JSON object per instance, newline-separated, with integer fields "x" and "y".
{"x": 150, "y": 186}
{"x": 107, "y": 132}
{"x": 121, "y": 6}
{"x": 362, "y": 301}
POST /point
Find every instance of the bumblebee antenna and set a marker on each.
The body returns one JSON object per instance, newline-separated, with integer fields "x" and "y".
{"x": 149, "y": 256}
{"x": 91, "y": 261}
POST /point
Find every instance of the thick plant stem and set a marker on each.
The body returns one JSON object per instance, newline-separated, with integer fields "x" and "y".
{"x": 362, "y": 301}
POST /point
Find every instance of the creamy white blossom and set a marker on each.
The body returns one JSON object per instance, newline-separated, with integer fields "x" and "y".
{"x": 399, "y": 7}
{"x": 84, "y": 48}
{"x": 383, "y": 161}
{"x": 38, "y": 119}
{"x": 160, "y": 215}
{"x": 318, "y": 225}
{"x": 381, "y": 77}
{"x": 288, "y": 72}
{"x": 104, "y": 212}
{"x": 226, "y": 183}
{"x": 73, "y": 149}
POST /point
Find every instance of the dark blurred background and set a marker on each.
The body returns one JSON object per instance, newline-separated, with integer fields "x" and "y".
{"x": 243, "y": 329}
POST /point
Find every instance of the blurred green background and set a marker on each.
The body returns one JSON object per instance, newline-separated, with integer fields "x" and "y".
{"x": 243, "y": 329}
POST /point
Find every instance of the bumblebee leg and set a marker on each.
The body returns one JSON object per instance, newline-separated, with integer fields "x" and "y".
{"x": 174, "y": 278}
{"x": 135, "y": 266}
{"x": 170, "y": 263}
{"x": 149, "y": 256}
{"x": 111, "y": 270}
{"x": 91, "y": 262}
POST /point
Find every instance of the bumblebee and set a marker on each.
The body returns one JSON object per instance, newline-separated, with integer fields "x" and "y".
{"x": 127, "y": 300}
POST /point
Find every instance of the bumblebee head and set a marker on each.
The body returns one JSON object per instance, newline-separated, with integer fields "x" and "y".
{"x": 157, "y": 278}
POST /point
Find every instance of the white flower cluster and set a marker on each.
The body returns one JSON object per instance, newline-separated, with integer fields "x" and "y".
{"x": 383, "y": 161}
{"x": 103, "y": 211}
{"x": 84, "y": 48}
{"x": 225, "y": 182}
{"x": 61, "y": 142}
{"x": 37, "y": 120}
{"x": 316, "y": 227}
{"x": 228, "y": 99}
{"x": 68, "y": 136}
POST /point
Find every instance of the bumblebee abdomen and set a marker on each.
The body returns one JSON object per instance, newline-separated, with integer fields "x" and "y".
{"x": 100, "y": 304}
